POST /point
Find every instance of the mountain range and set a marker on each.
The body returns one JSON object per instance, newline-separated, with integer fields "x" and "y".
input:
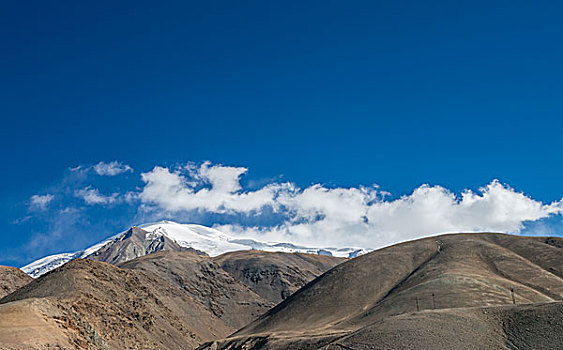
{"x": 171, "y": 236}
{"x": 145, "y": 289}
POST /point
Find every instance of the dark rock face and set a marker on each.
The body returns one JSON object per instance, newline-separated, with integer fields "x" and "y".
{"x": 275, "y": 277}
{"x": 437, "y": 292}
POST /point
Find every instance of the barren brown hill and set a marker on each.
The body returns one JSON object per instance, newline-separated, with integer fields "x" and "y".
{"x": 430, "y": 293}
{"x": 97, "y": 305}
{"x": 12, "y": 278}
{"x": 167, "y": 300}
{"x": 236, "y": 287}
{"x": 201, "y": 279}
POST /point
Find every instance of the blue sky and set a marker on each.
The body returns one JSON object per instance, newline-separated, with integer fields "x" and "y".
{"x": 341, "y": 94}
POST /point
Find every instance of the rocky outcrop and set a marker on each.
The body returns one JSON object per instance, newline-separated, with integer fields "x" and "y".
{"x": 11, "y": 279}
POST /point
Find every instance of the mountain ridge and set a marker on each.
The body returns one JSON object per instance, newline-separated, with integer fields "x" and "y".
{"x": 168, "y": 235}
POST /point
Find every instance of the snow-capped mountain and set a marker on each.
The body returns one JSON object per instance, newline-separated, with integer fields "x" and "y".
{"x": 168, "y": 235}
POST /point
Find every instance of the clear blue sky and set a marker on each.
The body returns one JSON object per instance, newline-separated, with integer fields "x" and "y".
{"x": 343, "y": 93}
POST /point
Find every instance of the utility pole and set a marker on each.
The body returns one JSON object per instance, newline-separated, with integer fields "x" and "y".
{"x": 417, "y": 307}
{"x": 433, "y": 302}
{"x": 513, "y": 298}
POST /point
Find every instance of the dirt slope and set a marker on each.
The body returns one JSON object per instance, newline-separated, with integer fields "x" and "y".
{"x": 12, "y": 278}
{"x": 108, "y": 307}
{"x": 526, "y": 326}
{"x": 447, "y": 272}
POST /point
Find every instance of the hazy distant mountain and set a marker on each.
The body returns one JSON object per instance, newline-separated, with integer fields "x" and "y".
{"x": 165, "y": 300}
{"x": 168, "y": 235}
{"x": 451, "y": 291}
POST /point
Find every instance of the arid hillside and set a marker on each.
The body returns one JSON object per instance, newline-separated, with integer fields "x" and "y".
{"x": 12, "y": 278}
{"x": 166, "y": 300}
{"x": 448, "y": 291}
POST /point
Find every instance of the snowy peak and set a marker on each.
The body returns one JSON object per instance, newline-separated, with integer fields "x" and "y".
{"x": 48, "y": 263}
{"x": 134, "y": 243}
{"x": 167, "y": 235}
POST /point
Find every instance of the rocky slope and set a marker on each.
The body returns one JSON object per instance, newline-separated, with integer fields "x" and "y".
{"x": 133, "y": 244}
{"x": 166, "y": 300}
{"x": 12, "y": 278}
{"x": 236, "y": 287}
{"x": 430, "y": 293}
{"x": 275, "y": 277}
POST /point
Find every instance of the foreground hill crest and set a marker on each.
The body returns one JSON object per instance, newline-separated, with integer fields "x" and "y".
{"x": 447, "y": 291}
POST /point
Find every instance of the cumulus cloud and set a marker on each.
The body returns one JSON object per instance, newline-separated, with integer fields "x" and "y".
{"x": 92, "y": 196}
{"x": 361, "y": 216}
{"x": 111, "y": 169}
{"x": 40, "y": 201}
{"x": 316, "y": 215}
{"x": 215, "y": 189}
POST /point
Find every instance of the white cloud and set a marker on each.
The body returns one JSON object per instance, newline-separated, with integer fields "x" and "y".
{"x": 40, "y": 201}
{"x": 76, "y": 168}
{"x": 110, "y": 169}
{"x": 92, "y": 196}
{"x": 215, "y": 189}
{"x": 360, "y": 216}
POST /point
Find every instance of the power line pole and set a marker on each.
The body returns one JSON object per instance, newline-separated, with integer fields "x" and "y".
{"x": 417, "y": 307}
{"x": 433, "y": 302}
{"x": 513, "y": 298}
